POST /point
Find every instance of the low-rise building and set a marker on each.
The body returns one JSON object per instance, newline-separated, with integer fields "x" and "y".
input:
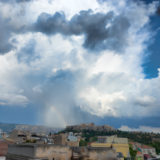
{"x": 144, "y": 152}
{"x": 119, "y": 144}
{"x": 72, "y": 140}
{"x": 139, "y": 156}
{"x": 58, "y": 152}
{"x": 145, "y": 149}
{"x": 18, "y": 136}
{"x": 66, "y": 139}
{"x": 60, "y": 139}
{"x": 112, "y": 139}
{"x": 3, "y": 149}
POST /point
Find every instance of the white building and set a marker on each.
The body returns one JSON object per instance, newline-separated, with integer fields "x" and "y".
{"x": 2, "y": 158}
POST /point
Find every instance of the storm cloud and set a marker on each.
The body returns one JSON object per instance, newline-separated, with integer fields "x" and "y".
{"x": 7, "y": 29}
{"x": 10, "y": 25}
{"x": 101, "y": 31}
{"x": 13, "y": 1}
{"x": 5, "y": 46}
{"x": 47, "y": 62}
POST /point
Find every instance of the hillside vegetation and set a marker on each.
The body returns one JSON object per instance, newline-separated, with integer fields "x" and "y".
{"x": 151, "y": 139}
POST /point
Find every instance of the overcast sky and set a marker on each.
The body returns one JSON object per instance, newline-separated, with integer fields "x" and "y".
{"x": 67, "y": 62}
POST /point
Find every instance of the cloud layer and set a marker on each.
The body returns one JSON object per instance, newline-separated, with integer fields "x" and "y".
{"x": 73, "y": 60}
{"x": 101, "y": 30}
{"x": 141, "y": 129}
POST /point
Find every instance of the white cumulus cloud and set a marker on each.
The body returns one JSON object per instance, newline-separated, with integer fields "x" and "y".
{"x": 59, "y": 74}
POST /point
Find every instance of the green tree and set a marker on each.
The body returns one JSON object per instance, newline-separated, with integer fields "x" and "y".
{"x": 133, "y": 152}
{"x": 82, "y": 143}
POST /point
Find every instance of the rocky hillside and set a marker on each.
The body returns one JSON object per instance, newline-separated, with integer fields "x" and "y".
{"x": 90, "y": 126}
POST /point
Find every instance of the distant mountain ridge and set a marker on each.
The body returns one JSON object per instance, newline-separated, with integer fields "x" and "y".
{"x": 6, "y": 127}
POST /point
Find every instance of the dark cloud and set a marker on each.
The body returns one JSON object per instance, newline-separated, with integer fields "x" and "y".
{"x": 13, "y": 1}
{"x": 28, "y": 53}
{"x": 11, "y": 24}
{"x": 101, "y": 31}
{"x": 21, "y": 1}
{"x": 142, "y": 103}
{"x": 135, "y": 122}
{"x": 6, "y": 30}
{"x": 158, "y": 10}
{"x": 98, "y": 35}
{"x": 5, "y": 34}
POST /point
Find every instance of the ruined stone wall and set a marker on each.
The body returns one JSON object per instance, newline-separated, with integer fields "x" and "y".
{"x": 102, "y": 155}
{"x": 53, "y": 152}
{"x": 72, "y": 143}
{"x": 60, "y": 139}
{"x": 39, "y": 152}
{"x": 58, "y": 152}
{"x": 89, "y": 153}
